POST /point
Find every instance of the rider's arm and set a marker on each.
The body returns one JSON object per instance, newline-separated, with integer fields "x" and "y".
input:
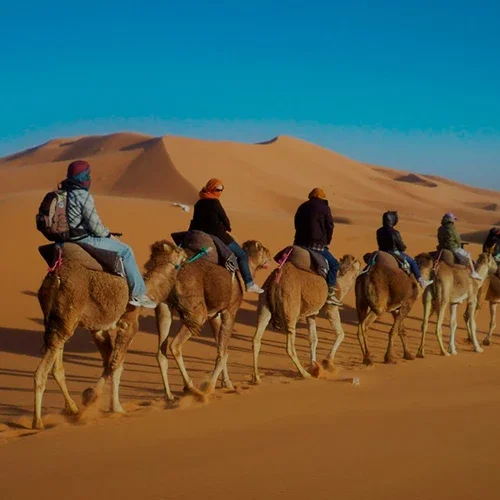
{"x": 91, "y": 219}
{"x": 224, "y": 219}
{"x": 329, "y": 226}
{"x": 398, "y": 240}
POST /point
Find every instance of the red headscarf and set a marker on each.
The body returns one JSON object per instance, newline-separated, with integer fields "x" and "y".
{"x": 212, "y": 190}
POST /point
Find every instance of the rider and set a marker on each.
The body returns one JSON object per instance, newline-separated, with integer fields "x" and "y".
{"x": 85, "y": 222}
{"x": 389, "y": 240}
{"x": 210, "y": 217}
{"x": 492, "y": 243}
{"x": 449, "y": 239}
{"x": 314, "y": 230}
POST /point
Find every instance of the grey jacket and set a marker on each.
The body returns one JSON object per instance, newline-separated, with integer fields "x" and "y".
{"x": 82, "y": 213}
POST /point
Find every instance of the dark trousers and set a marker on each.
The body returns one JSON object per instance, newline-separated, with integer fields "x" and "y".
{"x": 413, "y": 265}
{"x": 334, "y": 266}
{"x": 242, "y": 257}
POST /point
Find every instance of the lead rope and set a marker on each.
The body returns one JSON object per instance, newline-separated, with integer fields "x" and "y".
{"x": 58, "y": 262}
{"x": 281, "y": 263}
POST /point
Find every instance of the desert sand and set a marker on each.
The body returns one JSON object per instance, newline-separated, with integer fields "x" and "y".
{"x": 419, "y": 429}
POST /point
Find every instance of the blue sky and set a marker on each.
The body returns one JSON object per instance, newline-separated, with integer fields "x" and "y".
{"x": 413, "y": 86}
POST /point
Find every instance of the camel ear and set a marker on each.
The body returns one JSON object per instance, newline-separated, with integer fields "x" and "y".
{"x": 258, "y": 246}
{"x": 166, "y": 247}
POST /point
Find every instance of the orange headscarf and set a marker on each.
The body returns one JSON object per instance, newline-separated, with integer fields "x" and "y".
{"x": 317, "y": 193}
{"x": 209, "y": 192}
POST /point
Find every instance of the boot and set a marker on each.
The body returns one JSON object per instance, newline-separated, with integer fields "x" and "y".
{"x": 424, "y": 283}
{"x": 331, "y": 299}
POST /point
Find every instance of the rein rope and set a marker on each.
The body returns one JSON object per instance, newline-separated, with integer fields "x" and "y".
{"x": 58, "y": 261}
{"x": 281, "y": 263}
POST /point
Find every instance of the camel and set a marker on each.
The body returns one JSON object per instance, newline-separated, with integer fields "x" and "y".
{"x": 95, "y": 300}
{"x": 202, "y": 291}
{"x": 452, "y": 285}
{"x": 301, "y": 293}
{"x": 387, "y": 288}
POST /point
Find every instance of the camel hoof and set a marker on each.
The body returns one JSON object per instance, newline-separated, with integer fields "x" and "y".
{"x": 256, "y": 380}
{"x": 389, "y": 360}
{"x": 89, "y": 396}
{"x": 408, "y": 356}
{"x": 170, "y": 399}
{"x": 227, "y": 384}
{"x": 328, "y": 365}
{"x": 453, "y": 353}
{"x": 368, "y": 361}
{"x": 38, "y": 424}
{"x": 117, "y": 409}
{"x": 486, "y": 341}
{"x": 71, "y": 409}
{"x": 478, "y": 349}
{"x": 421, "y": 354}
{"x": 314, "y": 370}
{"x": 446, "y": 354}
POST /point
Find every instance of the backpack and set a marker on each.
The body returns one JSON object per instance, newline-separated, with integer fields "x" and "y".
{"x": 51, "y": 219}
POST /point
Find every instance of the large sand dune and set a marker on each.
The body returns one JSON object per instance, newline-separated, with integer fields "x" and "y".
{"x": 420, "y": 429}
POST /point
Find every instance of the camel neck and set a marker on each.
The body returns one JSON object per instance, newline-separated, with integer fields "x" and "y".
{"x": 159, "y": 284}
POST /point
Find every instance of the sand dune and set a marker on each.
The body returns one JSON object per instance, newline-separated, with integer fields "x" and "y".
{"x": 420, "y": 429}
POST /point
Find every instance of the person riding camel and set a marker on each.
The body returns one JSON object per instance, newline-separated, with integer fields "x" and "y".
{"x": 314, "y": 230}
{"x": 449, "y": 239}
{"x": 86, "y": 226}
{"x": 389, "y": 240}
{"x": 492, "y": 243}
{"x": 209, "y": 216}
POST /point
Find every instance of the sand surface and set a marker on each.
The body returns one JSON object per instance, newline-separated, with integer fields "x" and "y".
{"x": 418, "y": 429}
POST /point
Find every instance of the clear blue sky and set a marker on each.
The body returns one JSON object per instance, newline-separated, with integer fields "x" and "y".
{"x": 413, "y": 85}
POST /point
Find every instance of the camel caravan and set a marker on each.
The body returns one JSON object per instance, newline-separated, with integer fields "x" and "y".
{"x": 93, "y": 282}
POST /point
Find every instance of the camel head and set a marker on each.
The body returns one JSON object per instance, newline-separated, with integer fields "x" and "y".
{"x": 487, "y": 260}
{"x": 349, "y": 263}
{"x": 425, "y": 262}
{"x": 165, "y": 257}
{"x": 259, "y": 257}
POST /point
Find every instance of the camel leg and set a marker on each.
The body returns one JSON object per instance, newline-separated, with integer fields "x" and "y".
{"x": 336, "y": 323}
{"x": 363, "y": 326}
{"x": 225, "y": 332}
{"x": 428, "y": 310}
{"x": 176, "y": 349}
{"x": 163, "y": 323}
{"x": 493, "y": 323}
{"x": 453, "y": 329}
{"x": 471, "y": 307}
{"x": 262, "y": 322}
{"x": 102, "y": 341}
{"x": 41, "y": 375}
{"x": 313, "y": 338}
{"x": 290, "y": 349}
{"x": 439, "y": 328}
{"x": 215, "y": 324}
{"x": 389, "y": 358}
{"x": 116, "y": 406}
{"x": 402, "y": 333}
{"x": 60, "y": 376}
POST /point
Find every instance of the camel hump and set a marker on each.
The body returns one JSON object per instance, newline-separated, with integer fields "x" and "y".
{"x": 193, "y": 241}
{"x": 304, "y": 259}
{"x": 387, "y": 260}
{"x": 93, "y": 259}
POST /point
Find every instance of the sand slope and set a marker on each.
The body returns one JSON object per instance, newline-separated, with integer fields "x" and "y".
{"x": 420, "y": 429}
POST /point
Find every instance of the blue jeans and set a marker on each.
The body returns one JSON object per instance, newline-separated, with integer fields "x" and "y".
{"x": 134, "y": 277}
{"x": 333, "y": 264}
{"x": 242, "y": 257}
{"x": 413, "y": 265}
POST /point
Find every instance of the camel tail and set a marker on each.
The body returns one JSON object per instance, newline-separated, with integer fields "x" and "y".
{"x": 47, "y": 295}
{"x": 275, "y": 302}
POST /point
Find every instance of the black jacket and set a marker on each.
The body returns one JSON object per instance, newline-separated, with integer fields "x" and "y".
{"x": 491, "y": 240}
{"x": 313, "y": 223}
{"x": 210, "y": 217}
{"x": 388, "y": 238}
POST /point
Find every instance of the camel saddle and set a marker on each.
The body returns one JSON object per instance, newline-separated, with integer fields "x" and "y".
{"x": 446, "y": 256}
{"x": 304, "y": 259}
{"x": 387, "y": 259}
{"x": 196, "y": 240}
{"x": 93, "y": 259}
